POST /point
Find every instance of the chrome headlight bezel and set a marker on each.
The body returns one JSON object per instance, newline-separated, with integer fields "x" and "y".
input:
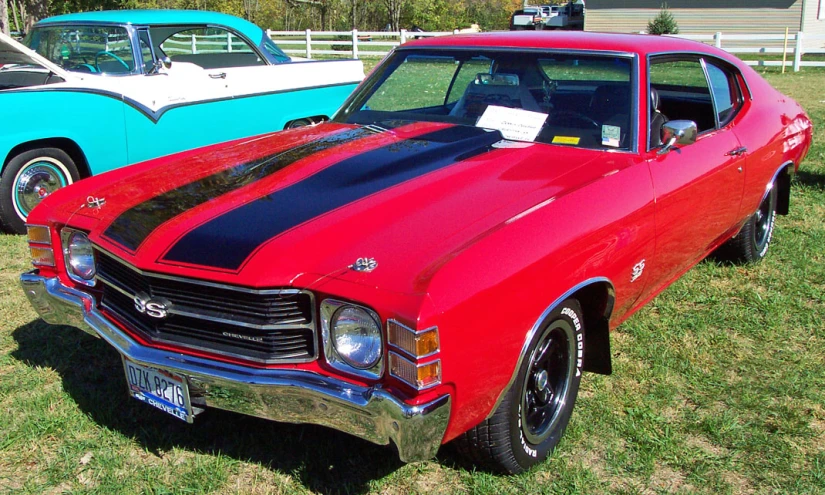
{"x": 68, "y": 236}
{"x": 329, "y": 309}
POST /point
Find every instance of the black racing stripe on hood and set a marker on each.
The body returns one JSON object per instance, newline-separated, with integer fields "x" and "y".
{"x": 226, "y": 241}
{"x": 134, "y": 225}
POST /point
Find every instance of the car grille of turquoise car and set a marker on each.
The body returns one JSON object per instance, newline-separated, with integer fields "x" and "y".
{"x": 267, "y": 326}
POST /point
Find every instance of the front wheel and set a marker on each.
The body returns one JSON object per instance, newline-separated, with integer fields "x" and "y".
{"x": 752, "y": 242}
{"x": 531, "y": 419}
{"x": 27, "y": 179}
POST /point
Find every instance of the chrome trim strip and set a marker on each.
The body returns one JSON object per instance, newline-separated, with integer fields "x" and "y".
{"x": 155, "y": 115}
{"x": 525, "y": 348}
{"x": 328, "y": 309}
{"x": 787, "y": 165}
{"x": 284, "y": 394}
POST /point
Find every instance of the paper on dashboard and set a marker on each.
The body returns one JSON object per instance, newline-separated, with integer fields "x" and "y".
{"x": 514, "y": 123}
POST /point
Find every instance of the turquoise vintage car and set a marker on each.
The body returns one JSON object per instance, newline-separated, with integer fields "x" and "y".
{"x": 100, "y": 90}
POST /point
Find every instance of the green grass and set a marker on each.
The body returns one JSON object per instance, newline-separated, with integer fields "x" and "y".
{"x": 718, "y": 387}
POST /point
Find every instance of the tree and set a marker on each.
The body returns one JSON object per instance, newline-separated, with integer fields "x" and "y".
{"x": 664, "y": 23}
{"x": 4, "y": 17}
{"x": 394, "y": 8}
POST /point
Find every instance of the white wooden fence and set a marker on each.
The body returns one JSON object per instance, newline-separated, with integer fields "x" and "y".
{"x": 378, "y": 43}
{"x": 787, "y": 45}
{"x": 355, "y": 43}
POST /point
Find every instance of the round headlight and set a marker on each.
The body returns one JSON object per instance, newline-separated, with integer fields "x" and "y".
{"x": 80, "y": 258}
{"x": 356, "y": 337}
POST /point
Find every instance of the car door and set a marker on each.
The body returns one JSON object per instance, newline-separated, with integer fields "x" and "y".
{"x": 699, "y": 186}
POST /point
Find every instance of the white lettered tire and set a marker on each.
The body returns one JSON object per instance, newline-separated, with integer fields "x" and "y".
{"x": 531, "y": 419}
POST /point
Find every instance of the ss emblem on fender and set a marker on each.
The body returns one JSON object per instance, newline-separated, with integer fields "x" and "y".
{"x": 638, "y": 269}
{"x": 154, "y": 307}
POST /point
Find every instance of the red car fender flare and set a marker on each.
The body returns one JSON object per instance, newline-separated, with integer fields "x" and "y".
{"x": 598, "y": 335}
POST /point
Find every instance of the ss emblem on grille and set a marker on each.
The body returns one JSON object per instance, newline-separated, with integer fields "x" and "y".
{"x": 155, "y": 307}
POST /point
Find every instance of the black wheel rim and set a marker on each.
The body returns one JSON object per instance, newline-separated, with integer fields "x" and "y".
{"x": 764, "y": 221}
{"x": 547, "y": 383}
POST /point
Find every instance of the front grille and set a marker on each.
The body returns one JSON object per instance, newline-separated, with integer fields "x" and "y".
{"x": 268, "y": 326}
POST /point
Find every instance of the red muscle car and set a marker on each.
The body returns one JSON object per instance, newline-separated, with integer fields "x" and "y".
{"x": 442, "y": 261}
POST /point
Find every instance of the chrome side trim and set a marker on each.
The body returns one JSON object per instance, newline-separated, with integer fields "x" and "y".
{"x": 787, "y": 165}
{"x": 286, "y": 394}
{"x": 525, "y": 348}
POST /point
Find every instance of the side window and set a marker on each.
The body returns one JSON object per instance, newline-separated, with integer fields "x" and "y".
{"x": 726, "y": 92}
{"x": 683, "y": 92}
{"x": 210, "y": 48}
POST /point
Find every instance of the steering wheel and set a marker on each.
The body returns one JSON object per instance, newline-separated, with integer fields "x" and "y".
{"x": 82, "y": 68}
{"x": 562, "y": 117}
{"x": 104, "y": 52}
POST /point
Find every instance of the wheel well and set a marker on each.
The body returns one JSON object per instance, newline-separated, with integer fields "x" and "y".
{"x": 315, "y": 119}
{"x": 70, "y": 147}
{"x": 597, "y": 304}
{"x": 783, "y": 190}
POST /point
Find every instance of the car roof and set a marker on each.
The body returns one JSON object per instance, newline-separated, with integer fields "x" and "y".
{"x": 159, "y": 17}
{"x": 641, "y": 44}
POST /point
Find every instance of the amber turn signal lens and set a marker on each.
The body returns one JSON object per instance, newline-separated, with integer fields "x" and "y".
{"x": 43, "y": 256}
{"x": 420, "y": 376}
{"x": 39, "y": 234}
{"x": 416, "y": 344}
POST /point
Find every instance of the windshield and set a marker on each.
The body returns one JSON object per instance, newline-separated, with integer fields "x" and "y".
{"x": 90, "y": 49}
{"x": 571, "y": 99}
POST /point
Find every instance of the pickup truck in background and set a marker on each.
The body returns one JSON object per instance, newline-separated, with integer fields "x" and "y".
{"x": 528, "y": 18}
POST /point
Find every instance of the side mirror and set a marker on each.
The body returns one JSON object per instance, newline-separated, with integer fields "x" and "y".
{"x": 161, "y": 63}
{"x": 678, "y": 132}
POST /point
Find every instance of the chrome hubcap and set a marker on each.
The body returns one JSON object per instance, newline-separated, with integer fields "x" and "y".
{"x": 35, "y": 182}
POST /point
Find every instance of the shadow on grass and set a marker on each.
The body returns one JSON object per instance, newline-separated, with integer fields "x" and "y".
{"x": 324, "y": 460}
{"x": 813, "y": 180}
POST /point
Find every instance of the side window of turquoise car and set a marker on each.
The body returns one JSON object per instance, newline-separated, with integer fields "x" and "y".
{"x": 85, "y": 48}
{"x": 209, "y": 47}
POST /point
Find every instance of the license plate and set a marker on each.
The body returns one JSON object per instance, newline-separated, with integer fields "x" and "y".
{"x": 162, "y": 389}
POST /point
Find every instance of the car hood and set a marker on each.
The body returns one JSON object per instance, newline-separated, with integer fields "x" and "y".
{"x": 15, "y": 53}
{"x": 298, "y": 206}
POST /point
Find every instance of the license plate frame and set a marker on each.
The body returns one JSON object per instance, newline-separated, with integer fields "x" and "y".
{"x": 159, "y": 388}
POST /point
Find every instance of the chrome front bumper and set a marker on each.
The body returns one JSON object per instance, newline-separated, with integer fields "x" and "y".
{"x": 290, "y": 396}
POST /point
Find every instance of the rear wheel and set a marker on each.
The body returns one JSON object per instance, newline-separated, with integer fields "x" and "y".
{"x": 27, "y": 179}
{"x": 752, "y": 242}
{"x": 299, "y": 123}
{"x": 531, "y": 419}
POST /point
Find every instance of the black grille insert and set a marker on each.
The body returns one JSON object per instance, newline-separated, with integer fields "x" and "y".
{"x": 267, "y": 326}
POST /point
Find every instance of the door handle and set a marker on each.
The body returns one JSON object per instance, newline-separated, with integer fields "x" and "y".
{"x": 737, "y": 151}
{"x": 221, "y": 75}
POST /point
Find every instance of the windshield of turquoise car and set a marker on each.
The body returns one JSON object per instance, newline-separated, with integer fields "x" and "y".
{"x": 585, "y": 98}
{"x": 89, "y": 49}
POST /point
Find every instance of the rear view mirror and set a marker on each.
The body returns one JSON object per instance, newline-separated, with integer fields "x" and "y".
{"x": 678, "y": 132}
